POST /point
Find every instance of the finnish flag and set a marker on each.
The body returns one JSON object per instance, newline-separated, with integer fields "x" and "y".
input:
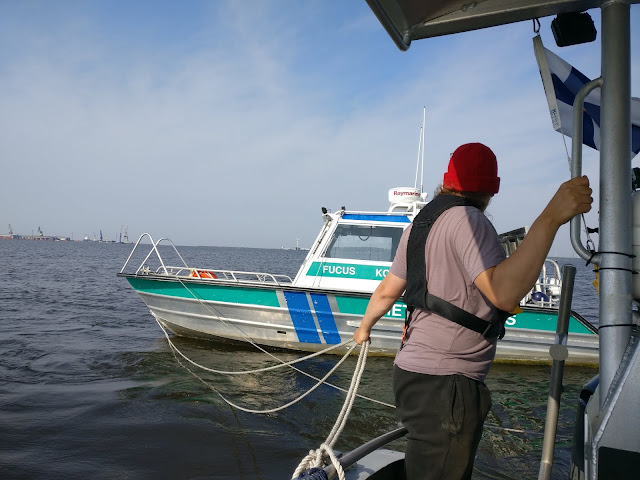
{"x": 561, "y": 84}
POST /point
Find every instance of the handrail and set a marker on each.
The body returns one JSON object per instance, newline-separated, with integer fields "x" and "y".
{"x": 576, "y": 166}
{"x": 134, "y": 249}
{"x": 549, "y": 285}
{"x": 154, "y": 248}
{"x": 554, "y": 264}
{"x": 227, "y": 275}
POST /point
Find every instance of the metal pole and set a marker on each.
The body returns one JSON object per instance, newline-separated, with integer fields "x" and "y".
{"x": 615, "y": 191}
{"x": 559, "y": 353}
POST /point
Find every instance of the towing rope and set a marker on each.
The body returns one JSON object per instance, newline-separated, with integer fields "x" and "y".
{"x": 290, "y": 364}
{"x": 317, "y": 458}
{"x": 282, "y": 363}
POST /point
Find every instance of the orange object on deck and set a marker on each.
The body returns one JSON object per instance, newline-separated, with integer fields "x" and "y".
{"x": 202, "y": 274}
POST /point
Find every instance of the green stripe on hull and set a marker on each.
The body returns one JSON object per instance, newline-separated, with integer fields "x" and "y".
{"x": 543, "y": 321}
{"x": 529, "y": 320}
{"x": 346, "y": 304}
{"x": 212, "y": 292}
{"x": 357, "y": 306}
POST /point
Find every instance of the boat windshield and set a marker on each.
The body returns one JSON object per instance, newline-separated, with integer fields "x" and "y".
{"x": 365, "y": 242}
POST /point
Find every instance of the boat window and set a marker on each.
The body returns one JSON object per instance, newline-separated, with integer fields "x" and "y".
{"x": 365, "y": 242}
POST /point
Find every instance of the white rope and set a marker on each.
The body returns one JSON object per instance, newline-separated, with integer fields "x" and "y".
{"x": 289, "y": 364}
{"x": 220, "y": 317}
{"x": 257, "y": 370}
{"x": 282, "y": 407}
{"x": 564, "y": 140}
{"x": 315, "y": 459}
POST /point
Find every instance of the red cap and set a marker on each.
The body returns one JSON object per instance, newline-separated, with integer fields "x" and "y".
{"x": 473, "y": 168}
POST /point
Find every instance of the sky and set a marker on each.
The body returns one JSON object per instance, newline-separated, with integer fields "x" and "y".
{"x": 229, "y": 123}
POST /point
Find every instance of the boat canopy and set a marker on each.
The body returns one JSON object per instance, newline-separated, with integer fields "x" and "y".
{"x": 407, "y": 20}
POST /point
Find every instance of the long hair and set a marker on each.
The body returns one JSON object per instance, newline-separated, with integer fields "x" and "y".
{"x": 479, "y": 200}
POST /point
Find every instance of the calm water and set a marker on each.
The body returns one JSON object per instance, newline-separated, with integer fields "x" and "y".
{"x": 90, "y": 389}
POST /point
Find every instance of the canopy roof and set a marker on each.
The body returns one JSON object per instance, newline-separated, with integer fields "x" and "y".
{"x": 407, "y": 20}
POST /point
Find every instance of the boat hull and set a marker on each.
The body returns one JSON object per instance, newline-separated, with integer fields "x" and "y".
{"x": 309, "y": 320}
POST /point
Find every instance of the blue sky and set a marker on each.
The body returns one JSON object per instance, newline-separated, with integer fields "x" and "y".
{"x": 233, "y": 123}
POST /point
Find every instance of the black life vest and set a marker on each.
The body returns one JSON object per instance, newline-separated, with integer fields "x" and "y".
{"x": 417, "y": 293}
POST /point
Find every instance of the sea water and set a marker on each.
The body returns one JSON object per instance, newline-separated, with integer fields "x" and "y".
{"x": 90, "y": 389}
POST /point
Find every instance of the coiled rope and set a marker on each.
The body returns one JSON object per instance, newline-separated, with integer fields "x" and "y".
{"x": 317, "y": 458}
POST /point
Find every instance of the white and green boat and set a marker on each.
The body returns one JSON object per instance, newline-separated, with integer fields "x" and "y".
{"x": 324, "y": 303}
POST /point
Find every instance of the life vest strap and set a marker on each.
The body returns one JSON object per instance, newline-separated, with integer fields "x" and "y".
{"x": 417, "y": 291}
{"x": 456, "y": 314}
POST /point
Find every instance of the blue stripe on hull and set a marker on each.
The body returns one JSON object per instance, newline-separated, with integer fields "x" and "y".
{"x": 325, "y": 318}
{"x": 301, "y": 317}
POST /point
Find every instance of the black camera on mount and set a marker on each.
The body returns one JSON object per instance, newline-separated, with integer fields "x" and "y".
{"x": 573, "y": 28}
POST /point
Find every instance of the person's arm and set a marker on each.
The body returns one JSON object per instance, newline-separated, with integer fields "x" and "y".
{"x": 387, "y": 293}
{"x": 508, "y": 282}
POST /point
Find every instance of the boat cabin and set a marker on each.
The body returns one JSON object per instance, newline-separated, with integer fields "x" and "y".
{"x": 354, "y": 250}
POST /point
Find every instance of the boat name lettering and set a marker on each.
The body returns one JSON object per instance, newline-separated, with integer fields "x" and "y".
{"x": 397, "y": 310}
{"x": 338, "y": 270}
{"x": 511, "y": 321}
{"x": 381, "y": 272}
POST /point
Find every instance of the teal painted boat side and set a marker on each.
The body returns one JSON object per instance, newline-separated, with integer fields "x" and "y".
{"x": 210, "y": 291}
{"x": 336, "y": 304}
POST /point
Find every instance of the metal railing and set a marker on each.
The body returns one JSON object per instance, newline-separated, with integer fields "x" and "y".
{"x": 546, "y": 291}
{"x": 207, "y": 274}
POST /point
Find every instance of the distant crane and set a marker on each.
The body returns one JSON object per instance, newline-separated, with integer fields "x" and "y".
{"x": 10, "y": 230}
{"x": 124, "y": 236}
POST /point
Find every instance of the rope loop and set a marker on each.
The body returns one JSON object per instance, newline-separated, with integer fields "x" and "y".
{"x": 320, "y": 381}
{"x": 315, "y": 458}
{"x": 282, "y": 363}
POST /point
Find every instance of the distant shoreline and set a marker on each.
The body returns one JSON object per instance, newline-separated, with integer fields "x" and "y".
{"x": 52, "y": 238}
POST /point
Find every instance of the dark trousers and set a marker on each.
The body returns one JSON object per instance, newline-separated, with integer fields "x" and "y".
{"x": 444, "y": 415}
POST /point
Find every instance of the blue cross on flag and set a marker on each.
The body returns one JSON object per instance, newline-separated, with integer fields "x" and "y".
{"x": 561, "y": 84}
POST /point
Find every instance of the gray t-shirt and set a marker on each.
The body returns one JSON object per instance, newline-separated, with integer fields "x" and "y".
{"x": 461, "y": 245}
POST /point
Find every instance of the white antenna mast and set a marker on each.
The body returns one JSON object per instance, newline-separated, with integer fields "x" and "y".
{"x": 424, "y": 116}
{"x": 420, "y": 137}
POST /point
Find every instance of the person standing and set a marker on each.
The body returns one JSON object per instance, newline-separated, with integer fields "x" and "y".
{"x": 454, "y": 264}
